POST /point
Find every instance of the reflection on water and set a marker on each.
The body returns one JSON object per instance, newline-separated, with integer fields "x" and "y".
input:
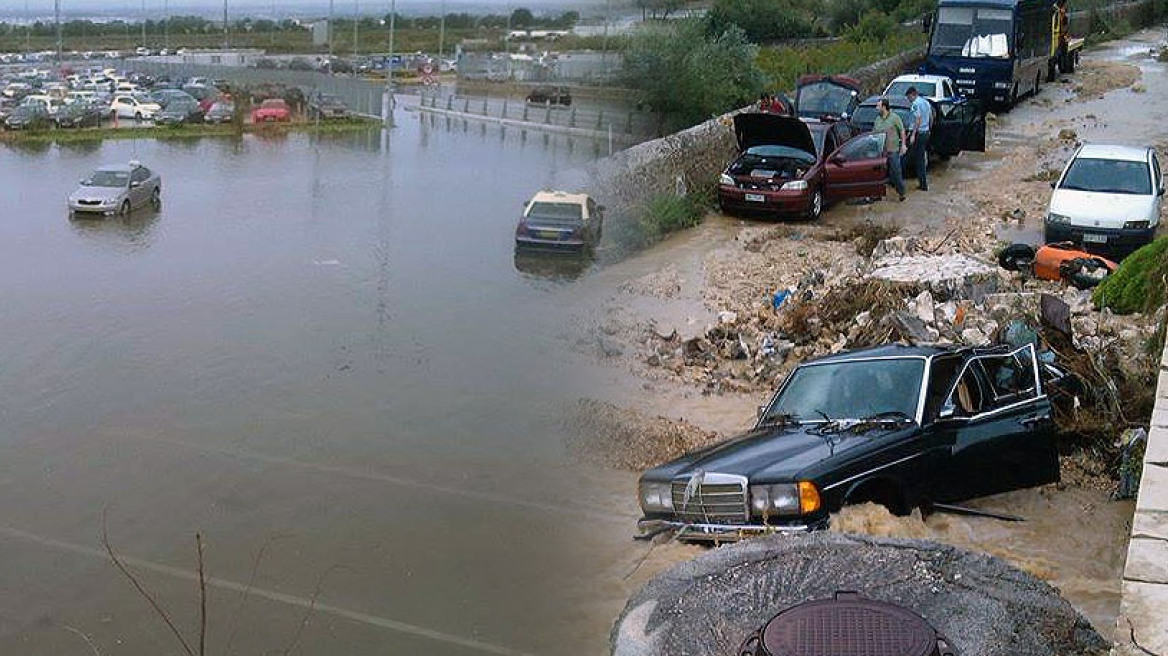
{"x": 119, "y": 233}
{"x": 555, "y": 267}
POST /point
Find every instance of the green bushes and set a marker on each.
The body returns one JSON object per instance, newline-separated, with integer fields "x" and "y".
{"x": 1138, "y": 285}
{"x": 784, "y": 64}
{"x": 874, "y": 27}
{"x": 765, "y": 20}
{"x": 667, "y": 213}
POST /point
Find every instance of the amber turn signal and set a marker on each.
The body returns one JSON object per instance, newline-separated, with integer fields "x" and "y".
{"x": 809, "y": 500}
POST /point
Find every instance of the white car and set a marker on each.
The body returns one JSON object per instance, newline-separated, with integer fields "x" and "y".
{"x": 127, "y": 106}
{"x": 931, "y": 87}
{"x": 47, "y": 103}
{"x": 1107, "y": 199}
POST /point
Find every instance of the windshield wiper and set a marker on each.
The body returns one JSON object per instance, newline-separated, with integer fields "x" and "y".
{"x": 779, "y": 419}
{"x": 889, "y": 416}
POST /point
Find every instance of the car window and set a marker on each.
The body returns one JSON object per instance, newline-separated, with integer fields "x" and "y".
{"x": 851, "y": 389}
{"x": 990, "y": 382}
{"x": 1157, "y": 178}
{"x": 555, "y": 213}
{"x": 140, "y": 175}
{"x": 1011, "y": 377}
{"x": 942, "y": 375}
{"x": 898, "y": 89}
{"x": 1107, "y": 176}
{"x": 865, "y": 146}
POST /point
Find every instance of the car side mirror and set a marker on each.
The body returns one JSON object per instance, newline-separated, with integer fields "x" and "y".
{"x": 1160, "y": 191}
{"x": 135, "y": 184}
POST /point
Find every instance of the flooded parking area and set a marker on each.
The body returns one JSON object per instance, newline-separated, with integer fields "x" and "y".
{"x": 319, "y": 355}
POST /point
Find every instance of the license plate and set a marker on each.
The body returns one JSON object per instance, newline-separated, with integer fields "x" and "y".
{"x": 549, "y": 234}
{"x": 756, "y": 198}
{"x": 1089, "y": 238}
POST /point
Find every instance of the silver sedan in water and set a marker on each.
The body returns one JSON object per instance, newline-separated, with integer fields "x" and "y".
{"x": 117, "y": 189}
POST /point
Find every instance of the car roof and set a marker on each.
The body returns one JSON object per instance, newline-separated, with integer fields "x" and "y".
{"x": 887, "y": 351}
{"x": 559, "y": 197}
{"x": 893, "y": 101}
{"x": 916, "y": 77}
{"x": 1107, "y": 151}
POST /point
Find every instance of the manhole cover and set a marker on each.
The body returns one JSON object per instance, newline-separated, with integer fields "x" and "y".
{"x": 847, "y": 625}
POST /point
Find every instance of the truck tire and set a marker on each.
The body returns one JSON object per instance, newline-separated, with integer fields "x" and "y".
{"x": 1069, "y": 62}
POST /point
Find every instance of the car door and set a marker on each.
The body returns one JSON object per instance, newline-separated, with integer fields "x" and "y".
{"x": 139, "y": 190}
{"x": 960, "y": 126}
{"x": 1000, "y": 427}
{"x": 857, "y": 169}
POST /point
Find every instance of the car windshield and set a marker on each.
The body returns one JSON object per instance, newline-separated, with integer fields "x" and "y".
{"x": 222, "y": 108}
{"x": 1108, "y": 176}
{"x": 866, "y": 116}
{"x": 330, "y": 100}
{"x": 898, "y": 89}
{"x": 851, "y": 390}
{"x": 271, "y": 104}
{"x": 108, "y": 179}
{"x": 973, "y": 32}
{"x": 823, "y": 99}
{"x": 548, "y": 213}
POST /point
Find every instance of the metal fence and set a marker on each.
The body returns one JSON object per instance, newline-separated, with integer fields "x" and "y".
{"x": 576, "y": 66}
{"x": 626, "y": 124}
{"x": 364, "y": 97}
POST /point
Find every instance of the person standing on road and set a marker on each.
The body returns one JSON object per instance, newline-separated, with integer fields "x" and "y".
{"x": 918, "y": 136}
{"x": 894, "y": 148}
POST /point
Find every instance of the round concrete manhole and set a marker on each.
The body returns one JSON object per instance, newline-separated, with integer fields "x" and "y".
{"x": 846, "y": 624}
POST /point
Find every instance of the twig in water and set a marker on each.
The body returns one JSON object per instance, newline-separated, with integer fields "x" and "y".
{"x": 141, "y": 590}
{"x": 308, "y": 612}
{"x": 255, "y": 572}
{"x": 202, "y": 598}
{"x": 85, "y": 637}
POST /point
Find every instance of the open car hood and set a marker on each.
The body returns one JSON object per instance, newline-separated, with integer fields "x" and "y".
{"x": 773, "y": 130}
{"x": 843, "y": 92}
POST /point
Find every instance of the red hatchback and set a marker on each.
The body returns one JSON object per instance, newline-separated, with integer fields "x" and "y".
{"x": 790, "y": 167}
{"x": 271, "y": 110}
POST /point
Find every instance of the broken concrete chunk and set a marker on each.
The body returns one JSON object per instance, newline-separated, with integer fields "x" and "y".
{"x": 727, "y": 317}
{"x": 1067, "y": 134}
{"x": 948, "y": 276}
{"x": 974, "y": 337}
{"x": 926, "y": 309}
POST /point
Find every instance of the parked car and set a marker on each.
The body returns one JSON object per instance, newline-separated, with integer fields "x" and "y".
{"x": 220, "y": 112}
{"x": 958, "y": 123}
{"x": 327, "y": 105}
{"x": 28, "y": 117}
{"x": 791, "y": 167}
{"x": 117, "y": 189}
{"x": 1107, "y": 199}
{"x": 179, "y": 112}
{"x": 558, "y": 220}
{"x": 896, "y": 425}
{"x": 48, "y": 103}
{"x": 17, "y": 90}
{"x": 550, "y": 96}
{"x": 135, "y": 107}
{"x": 935, "y": 88}
{"x": 826, "y": 97}
{"x": 77, "y": 115}
{"x": 164, "y": 97}
{"x": 271, "y": 110}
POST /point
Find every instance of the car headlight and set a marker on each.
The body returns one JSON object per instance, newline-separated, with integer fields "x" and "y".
{"x": 800, "y": 498}
{"x": 655, "y": 497}
{"x": 1052, "y": 217}
{"x": 726, "y": 180}
{"x": 1136, "y": 225}
{"x": 794, "y": 185}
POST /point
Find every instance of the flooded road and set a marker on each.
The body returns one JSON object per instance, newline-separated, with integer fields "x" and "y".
{"x": 318, "y": 354}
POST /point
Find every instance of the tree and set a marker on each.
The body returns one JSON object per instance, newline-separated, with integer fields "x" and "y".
{"x": 658, "y": 9}
{"x": 522, "y": 18}
{"x": 765, "y": 20}
{"x": 688, "y": 74}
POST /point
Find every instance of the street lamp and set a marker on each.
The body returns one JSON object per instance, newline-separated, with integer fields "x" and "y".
{"x": 330, "y": 31}
{"x": 143, "y": 23}
{"x": 442, "y": 33}
{"x": 356, "y": 23}
{"x": 226, "y": 33}
{"x": 390, "y": 102}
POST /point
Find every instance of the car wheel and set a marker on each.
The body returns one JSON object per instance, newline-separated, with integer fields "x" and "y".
{"x": 816, "y": 209}
{"x": 125, "y": 211}
{"x": 137, "y": 116}
{"x": 156, "y": 197}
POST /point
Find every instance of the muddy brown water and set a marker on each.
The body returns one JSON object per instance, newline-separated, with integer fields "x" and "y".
{"x": 319, "y": 353}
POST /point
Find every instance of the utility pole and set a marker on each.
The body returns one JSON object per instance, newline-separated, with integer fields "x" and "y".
{"x": 166, "y": 25}
{"x": 330, "y": 30}
{"x": 226, "y": 28}
{"x": 389, "y": 67}
{"x": 143, "y": 23}
{"x": 356, "y": 24}
{"x": 57, "y": 12}
{"x": 441, "y": 34}
{"x": 604, "y": 51}
{"x": 27, "y": 29}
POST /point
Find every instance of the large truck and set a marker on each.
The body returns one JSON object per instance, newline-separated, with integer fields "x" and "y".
{"x": 1000, "y": 50}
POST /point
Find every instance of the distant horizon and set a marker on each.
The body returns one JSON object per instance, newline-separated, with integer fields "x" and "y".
{"x": 14, "y": 10}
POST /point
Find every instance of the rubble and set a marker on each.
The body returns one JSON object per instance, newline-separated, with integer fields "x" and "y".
{"x": 628, "y": 439}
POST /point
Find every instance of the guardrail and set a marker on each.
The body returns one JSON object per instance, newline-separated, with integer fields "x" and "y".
{"x": 627, "y": 125}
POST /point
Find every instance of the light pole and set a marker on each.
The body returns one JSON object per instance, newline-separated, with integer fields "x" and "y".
{"x": 356, "y": 24}
{"x": 390, "y": 102}
{"x": 143, "y": 23}
{"x": 441, "y": 34}
{"x": 226, "y": 28}
{"x": 27, "y": 29}
{"x": 166, "y": 25}
{"x": 57, "y": 13}
{"x": 330, "y": 30}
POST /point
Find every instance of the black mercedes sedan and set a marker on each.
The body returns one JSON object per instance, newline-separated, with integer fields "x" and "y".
{"x": 896, "y": 425}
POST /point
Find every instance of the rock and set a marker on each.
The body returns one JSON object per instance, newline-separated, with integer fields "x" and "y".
{"x": 947, "y": 312}
{"x": 974, "y": 337}
{"x": 948, "y": 276}
{"x": 727, "y": 317}
{"x": 610, "y": 348}
{"x": 864, "y": 318}
{"x": 897, "y": 246}
{"x": 654, "y": 360}
{"x": 1138, "y": 87}
{"x": 925, "y": 308}
{"x": 1067, "y": 134}
{"x": 708, "y": 605}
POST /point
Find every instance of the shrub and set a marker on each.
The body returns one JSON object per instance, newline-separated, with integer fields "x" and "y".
{"x": 666, "y": 213}
{"x": 784, "y": 64}
{"x": 765, "y": 20}
{"x": 874, "y": 27}
{"x": 1138, "y": 285}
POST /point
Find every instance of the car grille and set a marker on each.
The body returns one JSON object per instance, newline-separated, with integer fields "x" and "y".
{"x": 89, "y": 202}
{"x": 718, "y": 498}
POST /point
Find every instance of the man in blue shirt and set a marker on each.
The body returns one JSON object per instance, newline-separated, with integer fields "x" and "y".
{"x": 921, "y": 122}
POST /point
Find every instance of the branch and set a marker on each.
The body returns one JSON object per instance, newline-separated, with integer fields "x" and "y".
{"x": 141, "y": 590}
{"x": 255, "y": 572}
{"x": 308, "y": 613}
{"x": 88, "y": 641}
{"x": 202, "y": 598}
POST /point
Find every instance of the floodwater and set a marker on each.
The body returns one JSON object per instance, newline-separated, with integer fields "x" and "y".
{"x": 319, "y": 355}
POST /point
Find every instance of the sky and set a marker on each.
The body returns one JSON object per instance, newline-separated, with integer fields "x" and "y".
{"x": 132, "y": 8}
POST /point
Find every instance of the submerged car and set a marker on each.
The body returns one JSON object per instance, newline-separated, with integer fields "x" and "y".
{"x": 557, "y": 220}
{"x": 220, "y": 112}
{"x": 896, "y": 425}
{"x": 826, "y": 97}
{"x": 550, "y": 96}
{"x": 958, "y": 123}
{"x": 1107, "y": 199}
{"x": 117, "y": 189}
{"x": 791, "y": 167}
